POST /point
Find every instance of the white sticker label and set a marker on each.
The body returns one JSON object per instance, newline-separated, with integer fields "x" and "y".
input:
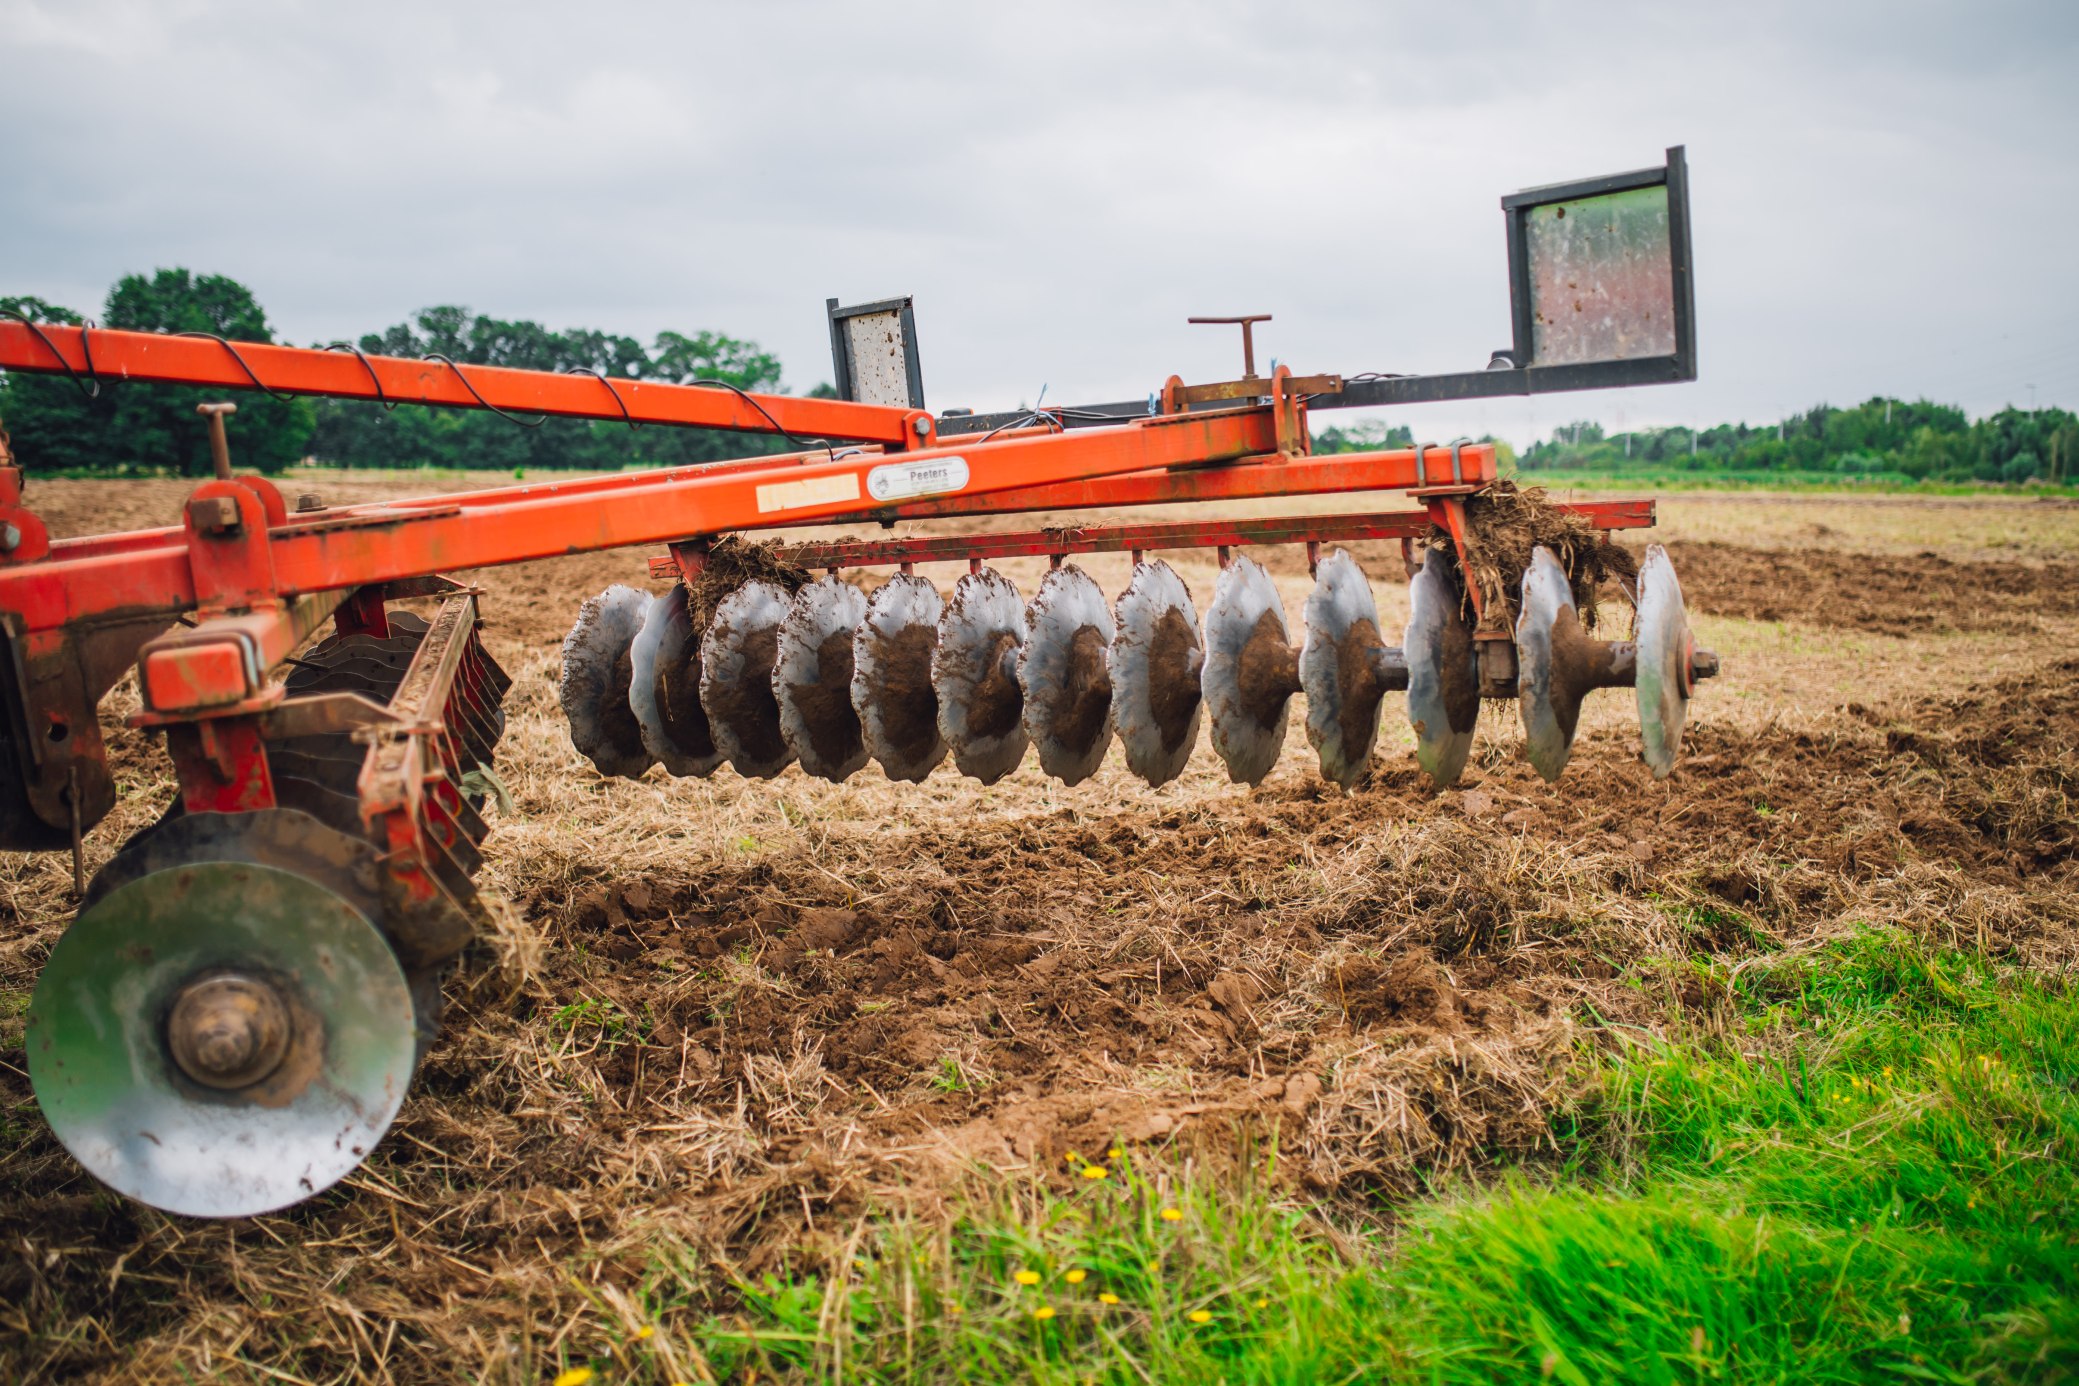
{"x": 902, "y": 480}
{"x": 815, "y": 490}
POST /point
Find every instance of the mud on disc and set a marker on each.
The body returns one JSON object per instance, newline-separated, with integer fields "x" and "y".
{"x": 1443, "y": 673}
{"x": 664, "y": 689}
{"x": 598, "y": 671}
{"x": 169, "y": 917}
{"x": 891, "y": 678}
{"x": 812, "y": 679}
{"x": 1664, "y": 648}
{"x": 974, "y": 671}
{"x": 736, "y": 658}
{"x": 1065, "y": 676}
{"x": 1157, "y": 659}
{"x": 1248, "y": 678}
{"x": 1339, "y": 668}
{"x": 1555, "y": 661}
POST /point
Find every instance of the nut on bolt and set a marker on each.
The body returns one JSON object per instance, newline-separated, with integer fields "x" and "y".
{"x": 309, "y": 501}
{"x": 10, "y": 537}
{"x": 214, "y": 514}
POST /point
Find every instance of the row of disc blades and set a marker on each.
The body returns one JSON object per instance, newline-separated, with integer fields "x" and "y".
{"x": 831, "y": 677}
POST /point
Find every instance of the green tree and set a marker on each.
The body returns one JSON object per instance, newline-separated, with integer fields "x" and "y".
{"x": 134, "y": 425}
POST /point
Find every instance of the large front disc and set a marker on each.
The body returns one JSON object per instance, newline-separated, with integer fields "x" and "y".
{"x": 112, "y": 1046}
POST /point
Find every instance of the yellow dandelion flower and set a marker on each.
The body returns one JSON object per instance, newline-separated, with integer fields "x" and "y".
{"x": 1263, "y": 1304}
{"x": 1200, "y": 1316}
{"x": 1108, "y": 1298}
{"x": 1115, "y": 1152}
{"x": 1172, "y": 1214}
{"x": 574, "y": 1376}
{"x": 1044, "y": 1312}
{"x": 1095, "y": 1172}
{"x": 645, "y": 1333}
{"x": 1073, "y": 1158}
{"x": 1027, "y": 1277}
{"x": 1075, "y": 1277}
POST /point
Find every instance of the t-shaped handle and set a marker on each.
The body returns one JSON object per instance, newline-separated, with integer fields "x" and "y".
{"x": 219, "y": 444}
{"x": 1248, "y": 323}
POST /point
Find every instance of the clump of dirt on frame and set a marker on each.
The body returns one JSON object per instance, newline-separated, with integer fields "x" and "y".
{"x": 731, "y": 562}
{"x": 1504, "y": 522}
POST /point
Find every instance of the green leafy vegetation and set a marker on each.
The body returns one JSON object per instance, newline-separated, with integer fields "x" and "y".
{"x": 135, "y": 427}
{"x": 1857, "y": 1165}
{"x": 1881, "y": 440}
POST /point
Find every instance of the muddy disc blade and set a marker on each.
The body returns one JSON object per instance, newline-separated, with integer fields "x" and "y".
{"x": 974, "y": 671}
{"x": 664, "y": 689}
{"x": 891, "y": 678}
{"x": 1250, "y": 673}
{"x": 1338, "y": 668}
{"x": 221, "y": 1038}
{"x": 597, "y": 674}
{"x": 812, "y": 679}
{"x": 1664, "y": 646}
{"x": 1443, "y": 673}
{"x": 736, "y": 658}
{"x": 1156, "y": 661}
{"x": 1552, "y": 654}
{"x": 1065, "y": 676}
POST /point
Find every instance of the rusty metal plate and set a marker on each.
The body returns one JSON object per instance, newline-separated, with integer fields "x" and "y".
{"x": 1602, "y": 285}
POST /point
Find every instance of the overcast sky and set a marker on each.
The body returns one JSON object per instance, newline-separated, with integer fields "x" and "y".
{"x": 1886, "y": 195}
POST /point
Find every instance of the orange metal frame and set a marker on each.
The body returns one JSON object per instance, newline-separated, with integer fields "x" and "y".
{"x": 259, "y": 579}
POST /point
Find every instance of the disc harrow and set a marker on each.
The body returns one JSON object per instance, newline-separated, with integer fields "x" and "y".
{"x": 231, "y": 1021}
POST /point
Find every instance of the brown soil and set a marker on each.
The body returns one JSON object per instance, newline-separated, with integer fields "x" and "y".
{"x": 1090, "y": 688}
{"x": 1267, "y": 671}
{"x": 746, "y": 706}
{"x": 708, "y": 1024}
{"x": 1174, "y": 692}
{"x": 998, "y": 700}
{"x": 1359, "y": 689}
{"x": 909, "y": 706}
{"x": 826, "y": 704}
{"x": 731, "y": 562}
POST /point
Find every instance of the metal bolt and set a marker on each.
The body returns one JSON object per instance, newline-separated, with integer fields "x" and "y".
{"x": 10, "y": 537}
{"x": 923, "y": 427}
{"x": 228, "y": 1031}
{"x": 308, "y": 501}
{"x": 214, "y": 514}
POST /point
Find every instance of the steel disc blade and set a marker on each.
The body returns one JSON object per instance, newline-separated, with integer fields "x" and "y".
{"x": 597, "y": 675}
{"x": 891, "y": 678}
{"x": 1157, "y": 658}
{"x": 99, "y": 1061}
{"x": 1551, "y": 652}
{"x": 1443, "y": 673}
{"x": 736, "y": 657}
{"x": 1065, "y": 676}
{"x": 1247, "y": 681}
{"x": 664, "y": 689}
{"x": 1338, "y": 668}
{"x": 1664, "y": 646}
{"x": 812, "y": 679}
{"x": 974, "y": 671}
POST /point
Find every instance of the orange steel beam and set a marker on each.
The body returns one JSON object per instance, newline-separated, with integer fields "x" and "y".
{"x": 105, "y": 353}
{"x": 380, "y": 545}
{"x": 1276, "y": 475}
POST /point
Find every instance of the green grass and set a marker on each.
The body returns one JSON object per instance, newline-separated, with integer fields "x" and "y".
{"x": 1863, "y": 1172}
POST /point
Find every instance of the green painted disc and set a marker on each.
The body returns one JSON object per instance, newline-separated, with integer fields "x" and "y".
{"x": 102, "y": 1074}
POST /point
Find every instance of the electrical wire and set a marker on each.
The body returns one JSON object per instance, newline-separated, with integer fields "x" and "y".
{"x": 91, "y": 386}
{"x": 626, "y": 417}
{"x": 536, "y": 422}
{"x": 384, "y": 400}
{"x": 242, "y": 365}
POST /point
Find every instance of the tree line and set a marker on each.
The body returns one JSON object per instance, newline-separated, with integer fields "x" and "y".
{"x": 1879, "y": 439}
{"x": 134, "y": 427}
